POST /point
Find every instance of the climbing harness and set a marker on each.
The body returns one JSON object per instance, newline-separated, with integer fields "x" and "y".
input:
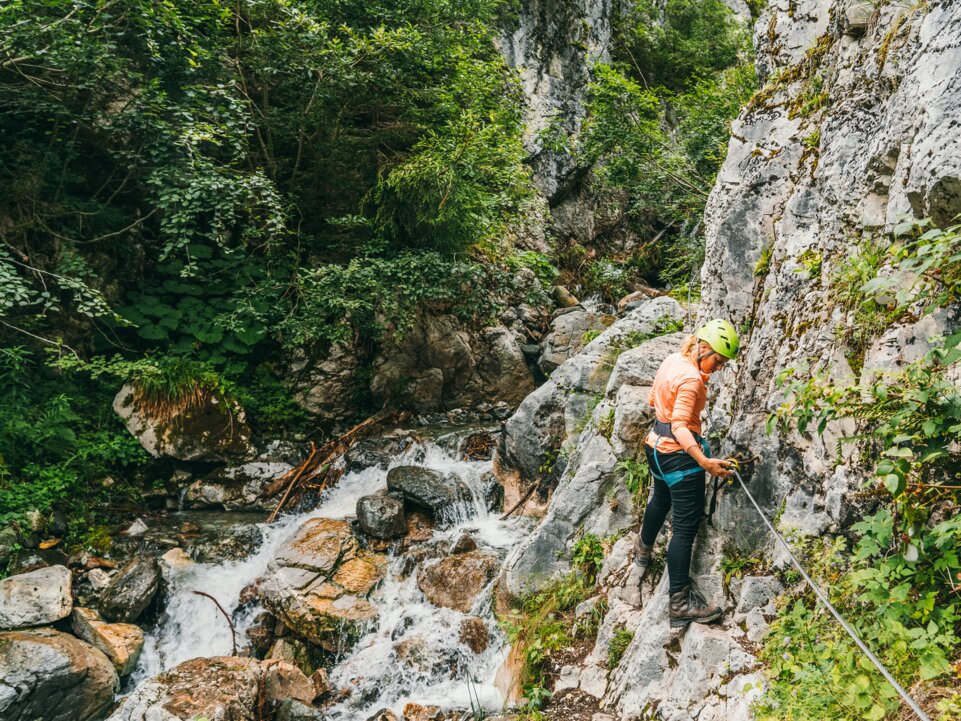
{"x": 822, "y": 597}
{"x": 663, "y": 430}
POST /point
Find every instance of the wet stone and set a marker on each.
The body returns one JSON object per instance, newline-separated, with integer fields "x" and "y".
{"x": 131, "y": 590}
{"x": 381, "y": 516}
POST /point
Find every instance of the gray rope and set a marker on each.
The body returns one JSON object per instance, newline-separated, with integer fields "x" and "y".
{"x": 822, "y": 597}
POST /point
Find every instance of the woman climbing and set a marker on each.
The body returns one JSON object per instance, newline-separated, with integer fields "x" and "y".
{"x": 678, "y": 458}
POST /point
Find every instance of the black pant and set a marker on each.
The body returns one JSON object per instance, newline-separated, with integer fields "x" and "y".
{"x": 685, "y": 501}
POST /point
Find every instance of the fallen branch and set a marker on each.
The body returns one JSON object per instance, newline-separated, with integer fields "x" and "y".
{"x": 522, "y": 501}
{"x": 233, "y": 633}
{"x": 300, "y": 471}
{"x": 320, "y": 464}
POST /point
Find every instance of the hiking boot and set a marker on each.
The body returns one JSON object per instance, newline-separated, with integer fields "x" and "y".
{"x": 688, "y": 605}
{"x": 642, "y": 553}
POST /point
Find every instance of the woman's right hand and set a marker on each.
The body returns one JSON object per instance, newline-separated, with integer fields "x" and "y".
{"x": 718, "y": 467}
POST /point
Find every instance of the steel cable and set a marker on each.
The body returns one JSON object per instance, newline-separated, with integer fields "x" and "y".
{"x": 822, "y": 597}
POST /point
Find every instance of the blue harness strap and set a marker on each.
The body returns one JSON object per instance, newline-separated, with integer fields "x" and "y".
{"x": 672, "y": 478}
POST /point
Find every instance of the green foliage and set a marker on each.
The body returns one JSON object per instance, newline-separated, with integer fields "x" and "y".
{"x": 637, "y": 479}
{"x": 58, "y": 435}
{"x": 659, "y": 122}
{"x": 907, "y": 611}
{"x": 201, "y": 167}
{"x": 587, "y": 556}
{"x": 734, "y": 563}
{"x": 616, "y": 647}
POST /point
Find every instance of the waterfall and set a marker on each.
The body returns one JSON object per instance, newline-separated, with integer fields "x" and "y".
{"x": 436, "y": 669}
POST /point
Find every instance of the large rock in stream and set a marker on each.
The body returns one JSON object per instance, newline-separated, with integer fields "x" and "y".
{"x": 455, "y": 581}
{"x": 445, "y": 495}
{"x": 52, "y": 676}
{"x": 131, "y": 590}
{"x": 318, "y": 581}
{"x": 35, "y": 598}
{"x": 222, "y": 688}
{"x": 214, "y": 430}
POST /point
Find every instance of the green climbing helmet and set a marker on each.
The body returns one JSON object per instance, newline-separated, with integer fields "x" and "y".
{"x": 721, "y": 336}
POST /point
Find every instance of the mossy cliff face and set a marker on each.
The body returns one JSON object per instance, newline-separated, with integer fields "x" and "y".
{"x": 853, "y": 131}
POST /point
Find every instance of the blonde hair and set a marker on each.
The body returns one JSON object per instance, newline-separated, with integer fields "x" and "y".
{"x": 689, "y": 348}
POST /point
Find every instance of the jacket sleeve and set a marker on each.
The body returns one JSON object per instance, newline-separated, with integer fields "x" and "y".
{"x": 683, "y": 413}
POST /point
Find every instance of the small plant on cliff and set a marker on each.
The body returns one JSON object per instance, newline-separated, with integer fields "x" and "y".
{"x": 637, "y": 478}
{"x": 617, "y": 646}
{"x": 588, "y": 556}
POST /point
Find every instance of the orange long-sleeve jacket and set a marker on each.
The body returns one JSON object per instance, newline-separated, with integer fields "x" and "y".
{"x": 678, "y": 397}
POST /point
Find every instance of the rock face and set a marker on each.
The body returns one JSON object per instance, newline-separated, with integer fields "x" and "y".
{"x": 49, "y": 675}
{"x": 804, "y": 189}
{"x": 317, "y": 583}
{"x": 549, "y": 416}
{"x": 35, "y": 598}
{"x": 120, "y": 642}
{"x": 445, "y": 495}
{"x": 569, "y": 331}
{"x": 223, "y": 687}
{"x": 131, "y": 590}
{"x": 455, "y": 581}
{"x": 328, "y": 388}
{"x": 235, "y": 488}
{"x": 440, "y": 365}
{"x": 214, "y": 431}
{"x": 381, "y": 517}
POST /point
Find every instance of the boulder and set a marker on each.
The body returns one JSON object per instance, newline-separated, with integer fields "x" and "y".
{"x": 317, "y": 582}
{"x": 464, "y": 544}
{"x": 35, "y": 598}
{"x": 131, "y": 590}
{"x": 381, "y": 516}
{"x": 222, "y": 687}
{"x": 235, "y": 488}
{"x": 49, "y": 675}
{"x": 120, "y": 642}
{"x": 232, "y": 543}
{"x": 474, "y": 634}
{"x": 445, "y": 495}
{"x": 214, "y": 430}
{"x": 757, "y": 591}
{"x": 550, "y": 416}
{"x": 455, "y": 581}
{"x": 441, "y": 364}
{"x": 418, "y": 712}
{"x": 568, "y": 334}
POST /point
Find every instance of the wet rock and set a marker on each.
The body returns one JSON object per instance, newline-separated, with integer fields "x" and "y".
{"x": 176, "y": 558}
{"x": 420, "y": 528}
{"x": 261, "y": 634}
{"x": 443, "y": 494}
{"x": 381, "y": 516}
{"x": 385, "y": 714}
{"x": 131, "y": 590}
{"x": 416, "y": 712}
{"x": 35, "y": 598}
{"x": 317, "y": 583}
{"x": 569, "y": 332}
{"x": 293, "y": 710}
{"x": 120, "y": 642}
{"x": 215, "y": 430}
{"x": 137, "y": 528}
{"x": 292, "y": 650}
{"x": 235, "y": 488}
{"x": 455, "y": 581}
{"x": 474, "y": 634}
{"x": 49, "y": 675}
{"x": 464, "y": 544}
{"x": 231, "y": 689}
{"x": 234, "y": 543}
{"x": 321, "y": 683}
{"x": 424, "y": 656}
